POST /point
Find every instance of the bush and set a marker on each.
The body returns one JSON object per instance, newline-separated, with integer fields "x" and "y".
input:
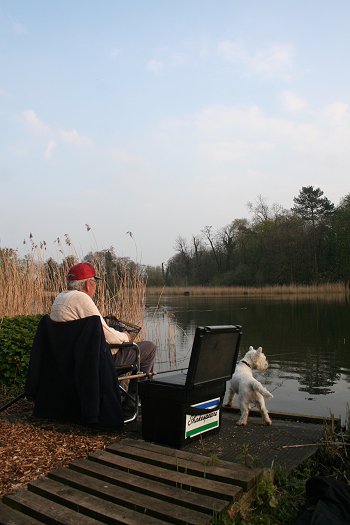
{"x": 16, "y": 338}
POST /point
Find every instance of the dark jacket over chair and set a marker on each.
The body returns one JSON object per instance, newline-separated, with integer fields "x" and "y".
{"x": 71, "y": 374}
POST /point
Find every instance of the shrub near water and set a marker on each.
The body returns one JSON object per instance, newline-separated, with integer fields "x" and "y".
{"x": 16, "y": 338}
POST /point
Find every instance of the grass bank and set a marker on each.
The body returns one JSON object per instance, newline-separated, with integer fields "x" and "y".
{"x": 251, "y": 291}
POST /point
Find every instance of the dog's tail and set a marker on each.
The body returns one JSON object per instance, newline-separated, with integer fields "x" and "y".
{"x": 258, "y": 387}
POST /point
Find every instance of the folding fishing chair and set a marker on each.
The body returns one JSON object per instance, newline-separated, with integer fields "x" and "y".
{"x": 127, "y": 373}
{"x": 72, "y": 374}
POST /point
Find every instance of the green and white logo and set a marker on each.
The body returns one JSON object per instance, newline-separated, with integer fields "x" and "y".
{"x": 206, "y": 417}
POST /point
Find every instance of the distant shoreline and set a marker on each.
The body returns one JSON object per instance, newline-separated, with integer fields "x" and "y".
{"x": 251, "y": 291}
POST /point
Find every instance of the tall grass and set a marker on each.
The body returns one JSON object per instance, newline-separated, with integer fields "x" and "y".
{"x": 125, "y": 298}
{"x": 29, "y": 285}
{"x": 26, "y": 285}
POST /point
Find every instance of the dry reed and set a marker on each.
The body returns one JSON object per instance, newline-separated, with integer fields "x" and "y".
{"x": 29, "y": 285}
{"x": 127, "y": 301}
{"x": 250, "y": 291}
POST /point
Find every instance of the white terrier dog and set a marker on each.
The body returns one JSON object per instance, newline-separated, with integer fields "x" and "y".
{"x": 249, "y": 389}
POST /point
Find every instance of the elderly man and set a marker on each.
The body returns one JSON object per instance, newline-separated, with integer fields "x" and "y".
{"x": 77, "y": 302}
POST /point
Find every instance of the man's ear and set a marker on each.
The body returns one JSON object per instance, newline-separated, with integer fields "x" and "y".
{"x": 86, "y": 287}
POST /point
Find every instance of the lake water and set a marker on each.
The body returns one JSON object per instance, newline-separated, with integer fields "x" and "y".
{"x": 306, "y": 341}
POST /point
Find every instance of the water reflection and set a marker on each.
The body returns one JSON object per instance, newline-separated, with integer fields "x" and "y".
{"x": 307, "y": 344}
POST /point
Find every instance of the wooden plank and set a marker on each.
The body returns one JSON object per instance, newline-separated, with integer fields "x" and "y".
{"x": 9, "y": 516}
{"x": 244, "y": 478}
{"x": 46, "y": 511}
{"x": 89, "y": 505}
{"x": 234, "y": 469}
{"x": 192, "y": 500}
{"x": 172, "y": 513}
{"x": 181, "y": 480}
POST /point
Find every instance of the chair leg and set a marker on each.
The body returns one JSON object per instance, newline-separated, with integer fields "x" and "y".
{"x": 131, "y": 393}
{"x": 131, "y": 401}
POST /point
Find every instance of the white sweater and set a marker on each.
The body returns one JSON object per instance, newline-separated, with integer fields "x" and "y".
{"x": 72, "y": 304}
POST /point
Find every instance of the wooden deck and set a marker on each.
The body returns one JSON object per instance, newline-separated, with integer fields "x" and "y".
{"x": 131, "y": 482}
{"x": 135, "y": 482}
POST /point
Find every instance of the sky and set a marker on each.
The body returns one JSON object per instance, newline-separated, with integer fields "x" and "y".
{"x": 149, "y": 120}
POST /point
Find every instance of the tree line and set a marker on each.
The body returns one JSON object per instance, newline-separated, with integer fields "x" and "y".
{"x": 306, "y": 244}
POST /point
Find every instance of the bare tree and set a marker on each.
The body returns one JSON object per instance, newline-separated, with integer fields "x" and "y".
{"x": 263, "y": 213}
{"x": 182, "y": 248}
{"x": 260, "y": 210}
{"x": 227, "y": 241}
{"x": 210, "y": 237}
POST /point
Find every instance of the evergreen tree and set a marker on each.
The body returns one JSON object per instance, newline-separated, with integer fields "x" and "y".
{"x": 311, "y": 205}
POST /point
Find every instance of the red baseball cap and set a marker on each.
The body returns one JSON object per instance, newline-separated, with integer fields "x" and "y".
{"x": 81, "y": 271}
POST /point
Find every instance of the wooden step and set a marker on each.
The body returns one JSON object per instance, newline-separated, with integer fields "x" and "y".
{"x": 45, "y": 510}
{"x": 189, "y": 499}
{"x": 9, "y": 516}
{"x": 121, "y": 496}
{"x": 181, "y": 480}
{"x": 60, "y": 504}
{"x": 131, "y": 482}
{"x": 182, "y": 461}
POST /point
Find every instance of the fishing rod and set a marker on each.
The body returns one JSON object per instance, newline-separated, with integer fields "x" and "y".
{"x": 12, "y": 402}
{"x": 172, "y": 370}
{"x": 139, "y": 376}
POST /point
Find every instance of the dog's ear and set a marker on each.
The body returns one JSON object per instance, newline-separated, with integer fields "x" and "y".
{"x": 251, "y": 348}
{"x": 259, "y": 350}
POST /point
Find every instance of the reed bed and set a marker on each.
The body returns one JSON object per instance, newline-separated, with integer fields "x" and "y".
{"x": 244, "y": 291}
{"x": 125, "y": 299}
{"x": 163, "y": 329}
{"x": 29, "y": 285}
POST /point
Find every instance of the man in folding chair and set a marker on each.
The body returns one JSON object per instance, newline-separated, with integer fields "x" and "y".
{"x": 77, "y": 302}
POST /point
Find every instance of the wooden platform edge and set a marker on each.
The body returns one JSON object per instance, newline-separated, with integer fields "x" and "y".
{"x": 185, "y": 462}
{"x": 288, "y": 416}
